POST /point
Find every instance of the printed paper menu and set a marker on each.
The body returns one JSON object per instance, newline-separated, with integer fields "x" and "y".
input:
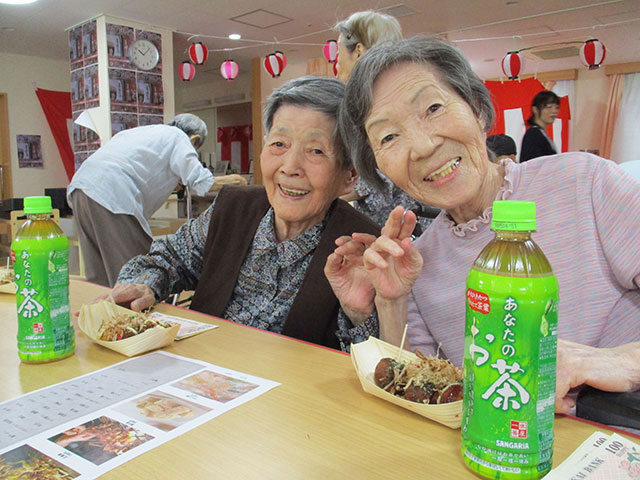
{"x": 89, "y": 425}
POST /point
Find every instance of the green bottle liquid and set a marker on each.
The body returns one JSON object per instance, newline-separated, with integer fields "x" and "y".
{"x": 510, "y": 351}
{"x": 40, "y": 254}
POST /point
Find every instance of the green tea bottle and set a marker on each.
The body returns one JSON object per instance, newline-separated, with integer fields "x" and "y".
{"x": 40, "y": 254}
{"x": 510, "y": 351}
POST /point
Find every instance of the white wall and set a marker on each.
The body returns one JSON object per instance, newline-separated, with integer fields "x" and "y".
{"x": 592, "y": 89}
{"x": 17, "y": 74}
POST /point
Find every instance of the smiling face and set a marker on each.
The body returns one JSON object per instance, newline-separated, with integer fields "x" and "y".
{"x": 301, "y": 173}
{"x": 428, "y": 141}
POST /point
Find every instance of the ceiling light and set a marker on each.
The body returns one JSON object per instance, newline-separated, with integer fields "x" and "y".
{"x": 17, "y": 2}
{"x": 235, "y": 36}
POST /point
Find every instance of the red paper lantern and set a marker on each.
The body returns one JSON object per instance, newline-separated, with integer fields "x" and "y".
{"x": 330, "y": 51}
{"x": 198, "y": 53}
{"x": 512, "y": 64}
{"x": 592, "y": 53}
{"x": 229, "y": 70}
{"x": 282, "y": 57}
{"x": 273, "y": 65}
{"x": 187, "y": 71}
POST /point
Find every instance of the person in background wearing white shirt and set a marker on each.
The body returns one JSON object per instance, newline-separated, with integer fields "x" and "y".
{"x": 117, "y": 189}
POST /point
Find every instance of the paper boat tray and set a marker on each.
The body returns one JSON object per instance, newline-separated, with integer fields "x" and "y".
{"x": 366, "y": 355}
{"x": 9, "y": 287}
{"x": 91, "y": 317}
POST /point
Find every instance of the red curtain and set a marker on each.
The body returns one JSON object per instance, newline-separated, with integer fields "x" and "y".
{"x": 518, "y": 94}
{"x": 57, "y": 109}
{"x": 239, "y": 133}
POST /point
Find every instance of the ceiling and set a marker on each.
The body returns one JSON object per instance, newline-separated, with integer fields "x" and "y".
{"x": 484, "y": 29}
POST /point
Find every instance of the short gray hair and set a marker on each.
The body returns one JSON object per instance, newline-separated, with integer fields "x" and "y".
{"x": 368, "y": 28}
{"x": 322, "y": 94}
{"x": 453, "y": 68}
{"x": 191, "y": 125}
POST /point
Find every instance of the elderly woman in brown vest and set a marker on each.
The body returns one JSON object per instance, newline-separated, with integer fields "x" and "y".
{"x": 256, "y": 256}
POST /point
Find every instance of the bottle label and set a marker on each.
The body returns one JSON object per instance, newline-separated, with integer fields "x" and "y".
{"x": 42, "y": 298}
{"x": 509, "y": 368}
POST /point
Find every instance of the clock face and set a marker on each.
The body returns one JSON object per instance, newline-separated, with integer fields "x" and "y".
{"x": 144, "y": 54}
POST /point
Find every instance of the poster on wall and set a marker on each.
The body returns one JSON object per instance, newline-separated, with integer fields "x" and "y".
{"x": 122, "y": 121}
{"x": 118, "y": 40}
{"x": 76, "y": 52}
{"x": 123, "y": 91}
{"x": 91, "y": 93}
{"x": 150, "y": 93}
{"x": 90, "y": 43}
{"x": 85, "y": 94}
{"x": 150, "y": 120}
{"x": 29, "y": 151}
{"x": 77, "y": 90}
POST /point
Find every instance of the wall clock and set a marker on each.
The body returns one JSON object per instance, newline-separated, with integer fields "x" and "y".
{"x": 144, "y": 54}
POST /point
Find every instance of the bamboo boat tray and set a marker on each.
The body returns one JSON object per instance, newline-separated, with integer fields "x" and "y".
{"x": 366, "y": 355}
{"x": 7, "y": 287}
{"x": 91, "y": 317}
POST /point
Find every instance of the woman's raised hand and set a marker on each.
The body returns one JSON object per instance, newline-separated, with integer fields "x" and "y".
{"x": 392, "y": 262}
{"x": 348, "y": 278}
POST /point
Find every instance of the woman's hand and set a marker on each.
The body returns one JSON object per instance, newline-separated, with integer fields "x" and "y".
{"x": 609, "y": 369}
{"x": 348, "y": 278}
{"x": 136, "y": 296}
{"x": 392, "y": 262}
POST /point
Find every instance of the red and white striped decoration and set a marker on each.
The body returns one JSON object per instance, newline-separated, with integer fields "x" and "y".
{"x": 592, "y": 53}
{"x": 330, "y": 50}
{"x": 229, "y": 70}
{"x": 198, "y": 53}
{"x": 512, "y": 65}
{"x": 273, "y": 65}
{"x": 282, "y": 57}
{"x": 186, "y": 71}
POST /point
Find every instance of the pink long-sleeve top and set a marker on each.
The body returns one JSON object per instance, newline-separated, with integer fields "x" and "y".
{"x": 588, "y": 218}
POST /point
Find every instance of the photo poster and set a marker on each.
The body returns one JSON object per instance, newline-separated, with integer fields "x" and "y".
{"x": 132, "y": 91}
{"x": 29, "y": 151}
{"x": 83, "y": 62}
{"x": 89, "y": 445}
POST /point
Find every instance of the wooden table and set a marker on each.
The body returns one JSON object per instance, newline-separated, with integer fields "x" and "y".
{"x": 317, "y": 424}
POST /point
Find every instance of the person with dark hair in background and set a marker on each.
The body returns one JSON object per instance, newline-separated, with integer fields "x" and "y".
{"x": 357, "y": 34}
{"x": 544, "y": 110}
{"x": 502, "y": 146}
{"x": 117, "y": 189}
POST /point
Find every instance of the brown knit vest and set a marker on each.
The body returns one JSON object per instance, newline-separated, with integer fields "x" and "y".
{"x": 235, "y": 219}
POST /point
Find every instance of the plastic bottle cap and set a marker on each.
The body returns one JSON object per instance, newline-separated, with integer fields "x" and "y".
{"x": 33, "y": 205}
{"x": 514, "y": 215}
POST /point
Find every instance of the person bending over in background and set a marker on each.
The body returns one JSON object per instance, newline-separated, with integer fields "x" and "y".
{"x": 117, "y": 189}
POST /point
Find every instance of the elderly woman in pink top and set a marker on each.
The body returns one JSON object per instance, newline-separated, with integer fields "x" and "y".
{"x": 418, "y": 112}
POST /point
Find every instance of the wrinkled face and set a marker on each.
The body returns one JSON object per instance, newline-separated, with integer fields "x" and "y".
{"x": 425, "y": 137}
{"x": 301, "y": 173}
{"x": 547, "y": 114}
{"x": 346, "y": 60}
